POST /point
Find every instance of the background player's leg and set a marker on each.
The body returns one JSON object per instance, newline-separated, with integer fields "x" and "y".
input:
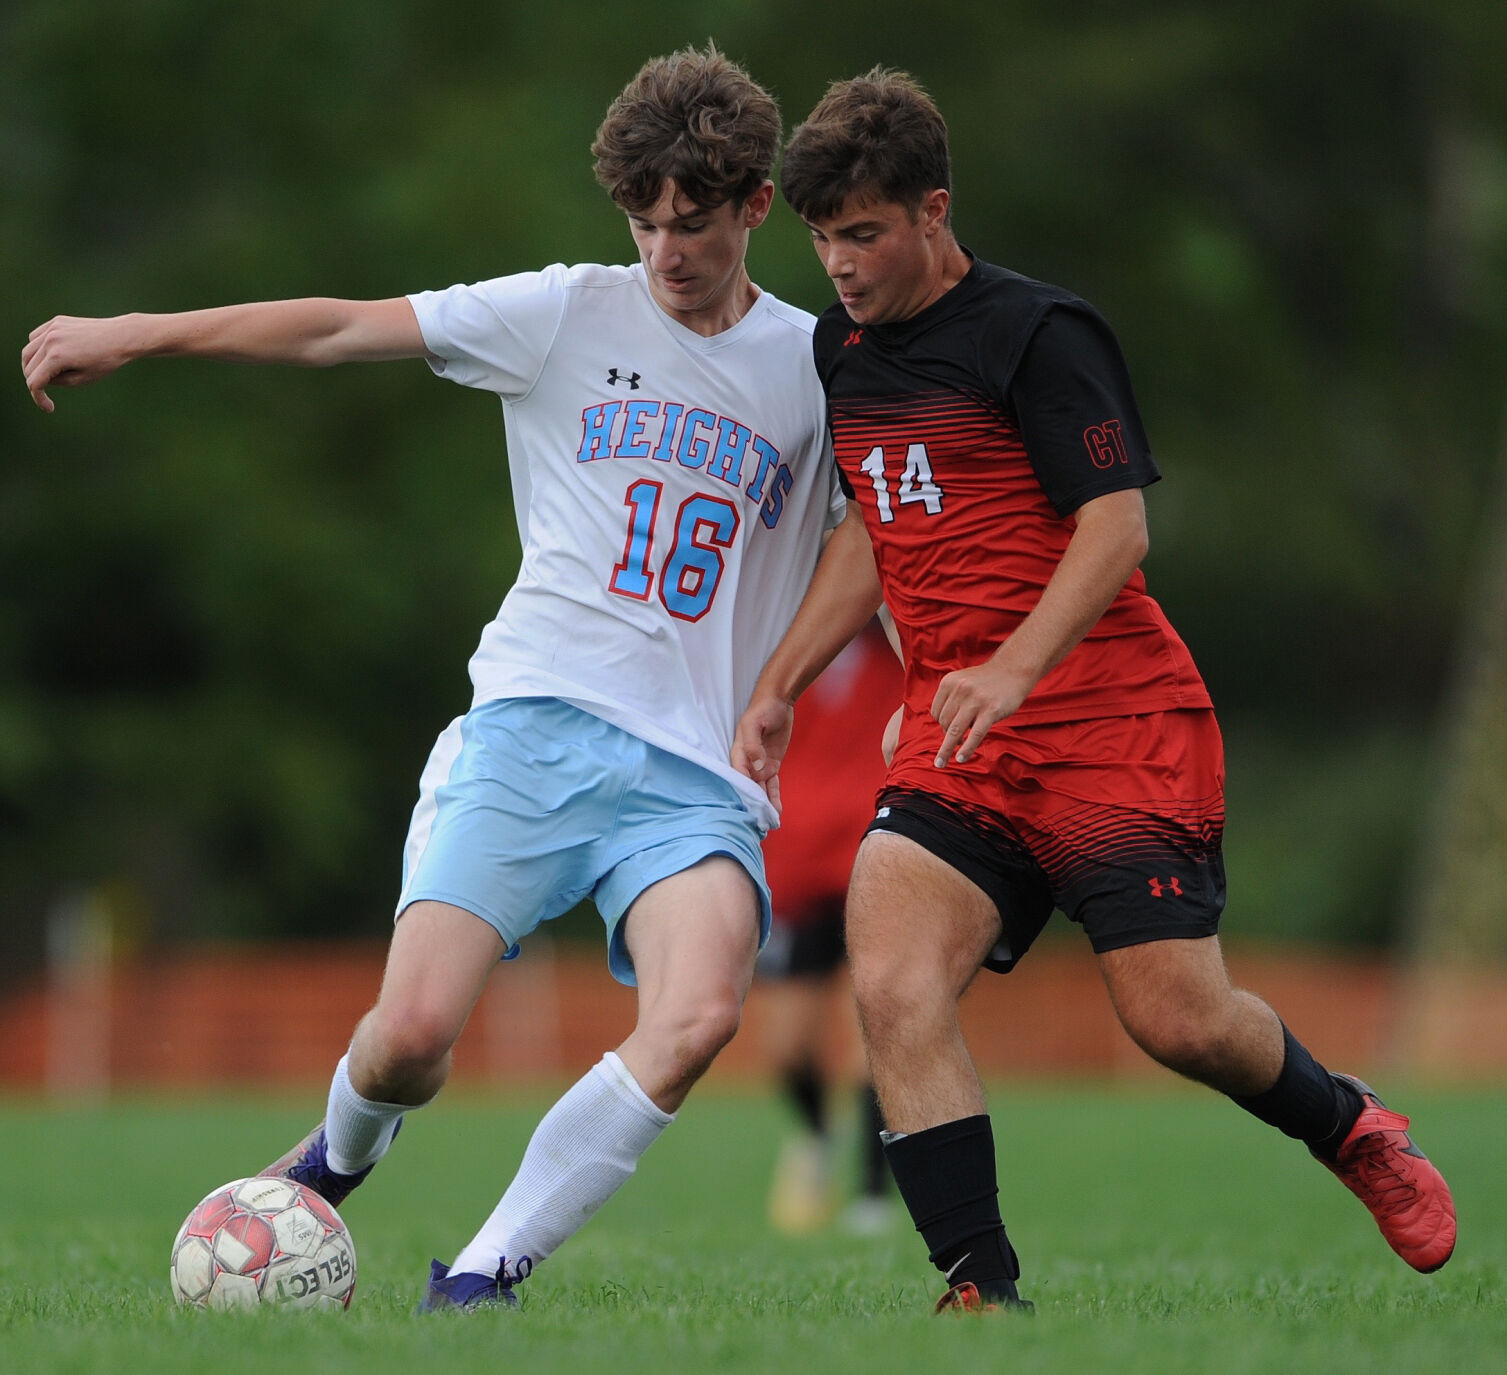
{"x": 795, "y": 1007}
{"x": 693, "y": 937}
{"x": 918, "y": 931}
{"x": 872, "y": 1210}
{"x": 801, "y": 1192}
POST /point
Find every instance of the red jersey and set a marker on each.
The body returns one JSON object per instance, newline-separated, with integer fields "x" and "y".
{"x": 830, "y": 776}
{"x": 969, "y": 434}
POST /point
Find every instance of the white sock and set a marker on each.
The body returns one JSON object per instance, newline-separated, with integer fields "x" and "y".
{"x": 580, "y": 1153}
{"x": 357, "y": 1131}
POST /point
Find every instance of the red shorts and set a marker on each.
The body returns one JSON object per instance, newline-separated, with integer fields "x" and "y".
{"x": 1116, "y": 820}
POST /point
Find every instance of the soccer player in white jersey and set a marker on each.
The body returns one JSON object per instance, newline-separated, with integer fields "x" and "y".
{"x": 666, "y": 438}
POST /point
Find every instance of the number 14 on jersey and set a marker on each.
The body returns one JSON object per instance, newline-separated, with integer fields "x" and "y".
{"x": 915, "y": 481}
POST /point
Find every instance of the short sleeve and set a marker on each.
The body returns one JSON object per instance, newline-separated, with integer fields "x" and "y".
{"x": 1078, "y": 418}
{"x": 494, "y": 335}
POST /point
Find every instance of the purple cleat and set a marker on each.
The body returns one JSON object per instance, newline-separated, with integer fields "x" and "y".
{"x": 469, "y": 1290}
{"x": 308, "y": 1164}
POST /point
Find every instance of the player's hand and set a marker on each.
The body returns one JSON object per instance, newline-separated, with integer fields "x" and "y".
{"x": 891, "y": 739}
{"x": 969, "y": 701}
{"x": 760, "y": 740}
{"x": 70, "y": 352}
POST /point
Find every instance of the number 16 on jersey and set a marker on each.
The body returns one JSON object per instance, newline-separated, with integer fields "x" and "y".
{"x": 703, "y": 527}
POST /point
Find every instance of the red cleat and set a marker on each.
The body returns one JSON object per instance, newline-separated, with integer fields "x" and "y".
{"x": 1407, "y": 1196}
{"x": 965, "y": 1298}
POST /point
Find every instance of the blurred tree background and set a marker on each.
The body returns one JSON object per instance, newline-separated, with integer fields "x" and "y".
{"x": 236, "y": 604}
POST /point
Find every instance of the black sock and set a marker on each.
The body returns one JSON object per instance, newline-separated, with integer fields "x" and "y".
{"x": 808, "y": 1091}
{"x": 946, "y": 1175}
{"x": 875, "y": 1170}
{"x": 1306, "y": 1102}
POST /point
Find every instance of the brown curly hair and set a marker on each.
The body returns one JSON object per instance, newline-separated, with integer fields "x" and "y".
{"x": 694, "y": 118}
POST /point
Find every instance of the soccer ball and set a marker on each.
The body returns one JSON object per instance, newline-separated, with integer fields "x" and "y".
{"x": 263, "y": 1240}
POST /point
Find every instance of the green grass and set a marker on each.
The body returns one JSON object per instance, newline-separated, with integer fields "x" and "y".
{"x": 1160, "y": 1231}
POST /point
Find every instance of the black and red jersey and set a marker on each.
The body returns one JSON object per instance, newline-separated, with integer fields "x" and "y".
{"x": 969, "y": 434}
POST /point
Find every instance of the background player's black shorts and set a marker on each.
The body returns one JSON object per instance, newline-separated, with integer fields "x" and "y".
{"x": 808, "y": 944}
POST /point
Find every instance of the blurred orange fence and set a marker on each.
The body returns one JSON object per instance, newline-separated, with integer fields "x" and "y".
{"x": 261, "y": 1014}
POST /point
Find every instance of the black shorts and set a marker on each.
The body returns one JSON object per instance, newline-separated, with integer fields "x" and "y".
{"x": 807, "y": 948}
{"x": 1169, "y": 886}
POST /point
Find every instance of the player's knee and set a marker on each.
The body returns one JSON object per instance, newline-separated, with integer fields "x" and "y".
{"x": 696, "y": 1030}
{"x": 894, "y": 995}
{"x": 712, "y": 1024}
{"x": 1184, "y": 1042}
{"x": 409, "y": 1040}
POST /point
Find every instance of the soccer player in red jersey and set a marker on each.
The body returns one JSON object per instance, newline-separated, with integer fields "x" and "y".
{"x": 1058, "y": 748}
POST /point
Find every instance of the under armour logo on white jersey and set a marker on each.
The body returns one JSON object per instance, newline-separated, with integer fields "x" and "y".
{"x": 614, "y": 376}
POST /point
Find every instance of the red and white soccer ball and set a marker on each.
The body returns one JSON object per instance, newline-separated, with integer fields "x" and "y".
{"x": 264, "y": 1240}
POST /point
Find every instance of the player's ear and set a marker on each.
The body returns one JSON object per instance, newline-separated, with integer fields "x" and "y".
{"x": 756, "y": 207}
{"x": 934, "y": 210}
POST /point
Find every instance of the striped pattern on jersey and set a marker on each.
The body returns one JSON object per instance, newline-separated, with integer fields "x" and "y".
{"x": 965, "y": 535}
{"x": 965, "y": 541}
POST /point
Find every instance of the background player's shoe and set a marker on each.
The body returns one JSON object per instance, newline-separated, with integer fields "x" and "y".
{"x": 869, "y": 1215}
{"x": 965, "y": 1298}
{"x": 469, "y": 1290}
{"x": 801, "y": 1197}
{"x": 1407, "y": 1196}
{"x": 308, "y": 1164}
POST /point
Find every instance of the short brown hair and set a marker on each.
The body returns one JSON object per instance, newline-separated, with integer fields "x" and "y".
{"x": 694, "y": 118}
{"x": 878, "y": 136}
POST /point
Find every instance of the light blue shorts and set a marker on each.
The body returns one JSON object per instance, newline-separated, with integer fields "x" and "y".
{"x": 529, "y": 805}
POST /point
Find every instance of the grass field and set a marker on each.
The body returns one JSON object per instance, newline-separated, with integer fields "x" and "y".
{"x": 1161, "y": 1232}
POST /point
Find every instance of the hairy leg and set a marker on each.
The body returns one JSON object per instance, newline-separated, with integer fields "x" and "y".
{"x": 1175, "y": 999}
{"x": 917, "y": 934}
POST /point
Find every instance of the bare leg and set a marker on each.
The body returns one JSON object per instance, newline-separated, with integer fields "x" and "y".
{"x": 802, "y": 1194}
{"x": 399, "y": 1057}
{"x": 918, "y": 932}
{"x": 693, "y": 938}
{"x": 1175, "y": 1000}
{"x": 437, "y": 966}
{"x": 796, "y": 1021}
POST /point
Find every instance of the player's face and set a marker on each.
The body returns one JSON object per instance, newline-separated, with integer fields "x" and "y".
{"x": 694, "y": 257}
{"x": 886, "y": 261}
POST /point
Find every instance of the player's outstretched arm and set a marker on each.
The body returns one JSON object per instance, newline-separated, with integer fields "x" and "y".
{"x": 842, "y": 599}
{"x": 69, "y": 351}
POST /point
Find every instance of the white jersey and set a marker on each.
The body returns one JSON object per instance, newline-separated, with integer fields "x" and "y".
{"x": 671, "y": 491}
